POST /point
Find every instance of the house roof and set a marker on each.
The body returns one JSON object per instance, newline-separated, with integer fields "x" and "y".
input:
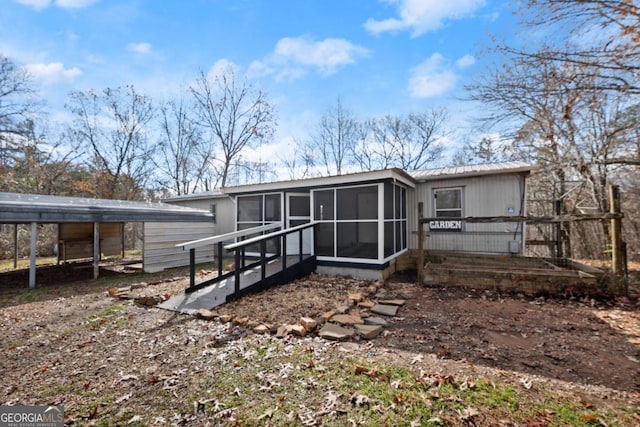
{"x": 350, "y": 178}
{"x": 472, "y": 170}
{"x": 213, "y": 194}
{"x": 24, "y": 208}
{"x": 305, "y": 183}
{"x": 408, "y": 178}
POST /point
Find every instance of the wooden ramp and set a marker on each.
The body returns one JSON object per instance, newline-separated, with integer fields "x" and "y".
{"x": 219, "y": 292}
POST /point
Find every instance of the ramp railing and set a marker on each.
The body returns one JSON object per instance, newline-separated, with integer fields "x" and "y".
{"x": 262, "y": 249}
{"x": 217, "y": 242}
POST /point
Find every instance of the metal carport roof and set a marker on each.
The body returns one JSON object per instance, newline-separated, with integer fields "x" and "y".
{"x": 26, "y": 208}
{"x": 17, "y": 208}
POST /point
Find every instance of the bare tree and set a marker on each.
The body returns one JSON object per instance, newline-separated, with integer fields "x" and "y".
{"x": 422, "y": 146}
{"x": 376, "y": 148}
{"x": 335, "y": 138}
{"x": 114, "y": 124}
{"x": 299, "y": 162}
{"x": 609, "y": 61}
{"x": 409, "y": 142}
{"x": 182, "y": 159}
{"x": 45, "y": 164}
{"x": 564, "y": 119}
{"x": 487, "y": 150}
{"x": 235, "y": 115}
{"x": 17, "y": 104}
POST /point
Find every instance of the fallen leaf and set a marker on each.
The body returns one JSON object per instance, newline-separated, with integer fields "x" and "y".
{"x": 123, "y": 398}
{"x": 134, "y": 419}
{"x": 416, "y": 359}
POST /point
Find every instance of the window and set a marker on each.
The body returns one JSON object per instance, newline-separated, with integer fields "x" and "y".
{"x": 447, "y": 202}
{"x": 357, "y": 203}
{"x": 254, "y": 211}
{"x": 348, "y": 220}
{"x": 395, "y": 219}
{"x": 323, "y": 205}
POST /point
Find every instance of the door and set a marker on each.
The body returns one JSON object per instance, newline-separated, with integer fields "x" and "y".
{"x": 298, "y": 213}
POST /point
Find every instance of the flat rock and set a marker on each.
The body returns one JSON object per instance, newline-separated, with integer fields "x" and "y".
{"x": 308, "y": 323}
{"x": 148, "y": 301}
{"x": 374, "y": 320}
{"x": 298, "y": 330}
{"x": 366, "y": 303}
{"x": 347, "y": 319}
{"x": 261, "y": 329}
{"x": 203, "y": 313}
{"x": 225, "y": 318}
{"x": 328, "y": 315}
{"x": 368, "y": 331}
{"x": 342, "y": 308}
{"x": 356, "y": 297}
{"x": 385, "y": 309}
{"x": 282, "y": 331}
{"x": 398, "y": 302}
{"x": 331, "y": 331}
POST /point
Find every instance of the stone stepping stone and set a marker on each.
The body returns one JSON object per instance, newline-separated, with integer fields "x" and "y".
{"x": 374, "y": 320}
{"x": 333, "y": 332}
{"x": 385, "y": 309}
{"x": 347, "y": 319}
{"x": 398, "y": 302}
{"x": 368, "y": 331}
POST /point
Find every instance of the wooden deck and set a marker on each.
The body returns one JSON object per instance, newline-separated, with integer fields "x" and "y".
{"x": 217, "y": 294}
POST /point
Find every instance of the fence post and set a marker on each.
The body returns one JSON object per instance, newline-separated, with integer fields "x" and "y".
{"x": 617, "y": 255}
{"x": 420, "y": 242}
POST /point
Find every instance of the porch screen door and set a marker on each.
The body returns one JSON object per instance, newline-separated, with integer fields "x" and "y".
{"x": 298, "y": 213}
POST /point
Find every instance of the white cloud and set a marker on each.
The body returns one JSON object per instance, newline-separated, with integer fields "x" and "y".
{"x": 74, "y": 4}
{"x": 422, "y": 16}
{"x": 141, "y": 48}
{"x": 52, "y": 72}
{"x": 465, "y": 61}
{"x": 35, "y": 4}
{"x": 293, "y": 57}
{"x": 221, "y": 68}
{"x": 64, "y": 4}
{"x": 432, "y": 78}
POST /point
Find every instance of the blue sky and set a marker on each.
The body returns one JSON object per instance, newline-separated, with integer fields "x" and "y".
{"x": 378, "y": 57}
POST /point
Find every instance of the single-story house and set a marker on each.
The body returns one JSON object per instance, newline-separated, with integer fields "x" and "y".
{"x": 366, "y": 220}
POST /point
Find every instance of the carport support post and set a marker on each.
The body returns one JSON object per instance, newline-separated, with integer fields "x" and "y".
{"x": 96, "y": 250}
{"x": 32, "y": 255}
{"x": 15, "y": 246}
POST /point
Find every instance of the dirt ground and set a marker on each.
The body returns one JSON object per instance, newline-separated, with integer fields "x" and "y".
{"x": 58, "y": 345}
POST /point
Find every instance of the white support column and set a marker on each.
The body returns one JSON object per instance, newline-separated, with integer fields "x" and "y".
{"x": 96, "y": 250}
{"x": 32, "y": 255}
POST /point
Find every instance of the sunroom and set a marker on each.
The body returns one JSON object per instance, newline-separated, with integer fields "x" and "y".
{"x": 361, "y": 219}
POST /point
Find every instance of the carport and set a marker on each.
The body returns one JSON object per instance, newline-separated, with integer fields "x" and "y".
{"x": 37, "y": 209}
